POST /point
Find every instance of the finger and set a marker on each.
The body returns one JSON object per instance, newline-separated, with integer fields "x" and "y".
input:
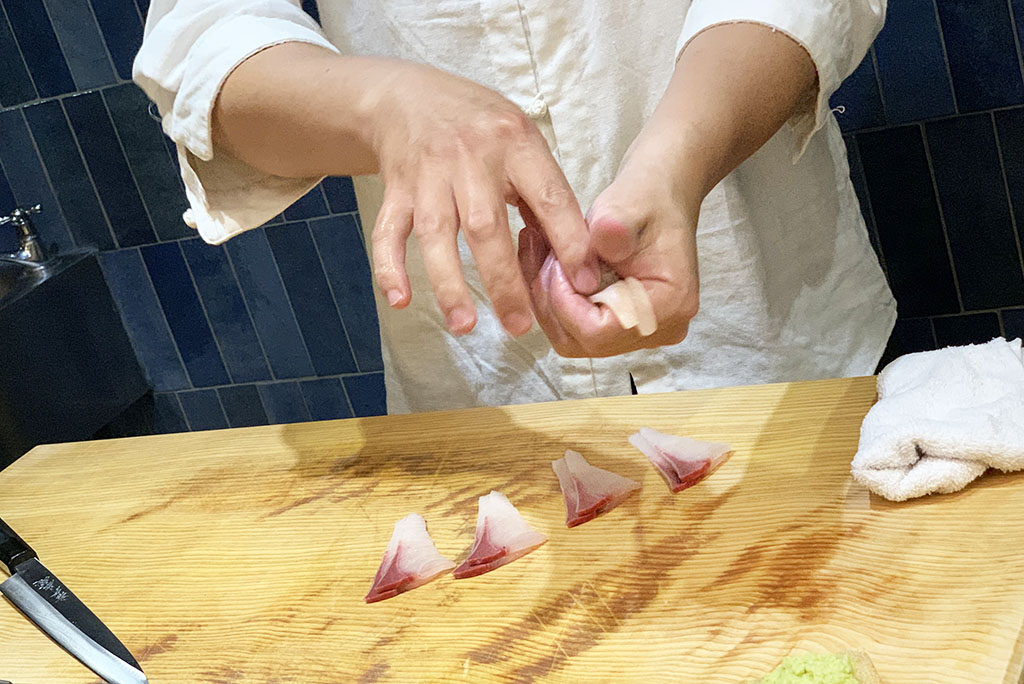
{"x": 435, "y": 224}
{"x": 388, "y": 239}
{"x": 540, "y": 290}
{"x": 483, "y": 219}
{"x": 611, "y": 237}
{"x": 543, "y": 188}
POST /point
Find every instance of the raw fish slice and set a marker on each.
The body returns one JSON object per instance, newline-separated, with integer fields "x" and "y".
{"x": 502, "y": 536}
{"x": 646, "y": 321}
{"x": 411, "y": 560}
{"x": 682, "y": 461}
{"x": 589, "y": 491}
{"x": 619, "y": 298}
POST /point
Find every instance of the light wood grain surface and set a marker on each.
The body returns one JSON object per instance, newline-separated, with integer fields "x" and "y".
{"x": 243, "y": 555}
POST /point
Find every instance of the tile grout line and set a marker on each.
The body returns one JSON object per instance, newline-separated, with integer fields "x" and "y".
{"x": 21, "y": 55}
{"x": 106, "y": 48}
{"x": 348, "y": 399}
{"x": 49, "y": 181}
{"x": 931, "y": 329}
{"x": 942, "y": 216}
{"x": 163, "y": 317}
{"x": 945, "y": 56}
{"x": 248, "y": 312}
{"x": 878, "y": 83}
{"x": 334, "y": 298}
{"x": 89, "y": 175}
{"x": 1006, "y": 192}
{"x": 287, "y": 296}
{"x": 1016, "y": 37}
{"x": 131, "y": 170}
{"x": 206, "y": 314}
{"x": 184, "y": 416}
{"x": 256, "y": 383}
{"x": 60, "y": 43}
{"x": 871, "y": 210}
{"x": 1002, "y": 326}
{"x": 62, "y": 96}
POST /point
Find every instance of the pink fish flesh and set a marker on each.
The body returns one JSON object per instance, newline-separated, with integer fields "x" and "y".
{"x": 682, "y": 461}
{"x": 411, "y": 560}
{"x": 502, "y": 536}
{"x": 589, "y": 491}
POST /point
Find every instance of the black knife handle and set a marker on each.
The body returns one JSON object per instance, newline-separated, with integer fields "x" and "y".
{"x": 13, "y": 549}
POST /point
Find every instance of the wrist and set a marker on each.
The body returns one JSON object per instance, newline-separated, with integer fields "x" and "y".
{"x": 673, "y": 157}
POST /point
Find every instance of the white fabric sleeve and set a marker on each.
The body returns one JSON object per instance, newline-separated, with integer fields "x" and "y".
{"x": 189, "y": 50}
{"x": 835, "y": 33}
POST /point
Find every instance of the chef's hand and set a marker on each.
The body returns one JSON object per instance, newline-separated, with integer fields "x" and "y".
{"x": 733, "y": 88}
{"x": 643, "y": 225}
{"x": 452, "y": 153}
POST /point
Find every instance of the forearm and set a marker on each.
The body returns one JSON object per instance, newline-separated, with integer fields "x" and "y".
{"x": 734, "y": 87}
{"x": 299, "y": 110}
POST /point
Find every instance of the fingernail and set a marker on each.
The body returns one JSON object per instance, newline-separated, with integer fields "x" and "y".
{"x": 518, "y": 323}
{"x": 394, "y": 296}
{"x": 460, "y": 322}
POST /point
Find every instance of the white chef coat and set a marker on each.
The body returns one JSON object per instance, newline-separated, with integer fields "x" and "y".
{"x": 790, "y": 287}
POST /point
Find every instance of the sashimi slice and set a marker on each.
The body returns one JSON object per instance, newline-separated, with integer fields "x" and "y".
{"x": 502, "y": 536}
{"x": 411, "y": 560}
{"x": 682, "y": 461}
{"x": 646, "y": 321}
{"x": 619, "y": 298}
{"x": 589, "y": 491}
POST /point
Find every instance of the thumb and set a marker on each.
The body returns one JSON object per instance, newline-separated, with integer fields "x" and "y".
{"x": 613, "y": 233}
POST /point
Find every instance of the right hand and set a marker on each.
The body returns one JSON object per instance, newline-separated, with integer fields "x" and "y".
{"x": 452, "y": 154}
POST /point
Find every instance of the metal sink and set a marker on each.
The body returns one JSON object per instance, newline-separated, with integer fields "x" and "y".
{"x": 17, "y": 279}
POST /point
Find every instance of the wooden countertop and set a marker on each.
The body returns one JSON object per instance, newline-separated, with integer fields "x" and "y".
{"x": 243, "y": 555}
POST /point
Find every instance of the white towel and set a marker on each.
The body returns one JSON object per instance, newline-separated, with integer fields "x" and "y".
{"x": 942, "y": 418}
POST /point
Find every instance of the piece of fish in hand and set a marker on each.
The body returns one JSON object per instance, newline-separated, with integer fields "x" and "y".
{"x": 682, "y": 461}
{"x": 502, "y": 536}
{"x": 589, "y": 491}
{"x": 410, "y": 560}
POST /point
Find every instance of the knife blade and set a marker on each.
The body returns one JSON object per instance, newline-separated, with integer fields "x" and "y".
{"x": 47, "y": 602}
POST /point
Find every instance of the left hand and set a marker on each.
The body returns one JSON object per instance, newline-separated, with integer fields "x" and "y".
{"x": 643, "y": 225}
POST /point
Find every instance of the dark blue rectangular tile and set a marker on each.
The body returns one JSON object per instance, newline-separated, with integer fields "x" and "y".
{"x": 907, "y": 214}
{"x": 28, "y": 181}
{"x": 109, "y": 169}
{"x": 283, "y": 402}
{"x": 143, "y": 319}
{"x": 15, "y": 84}
{"x": 982, "y": 53}
{"x": 167, "y": 415}
{"x": 859, "y": 98}
{"x": 203, "y": 410}
{"x": 325, "y": 399}
{"x": 242, "y": 405}
{"x": 1013, "y": 323}
{"x": 908, "y": 336}
{"x": 860, "y": 186}
{"x": 977, "y": 211}
{"x": 348, "y": 271}
{"x": 310, "y": 205}
{"x": 366, "y": 394}
{"x": 951, "y": 331}
{"x": 226, "y": 310}
{"x": 122, "y": 31}
{"x": 311, "y": 299}
{"x": 81, "y": 43}
{"x": 143, "y": 6}
{"x": 341, "y": 195}
{"x": 39, "y": 46}
{"x": 269, "y": 305}
{"x": 71, "y": 182}
{"x": 143, "y": 142}
{"x": 912, "y": 63}
{"x": 1010, "y": 128}
{"x": 184, "y": 314}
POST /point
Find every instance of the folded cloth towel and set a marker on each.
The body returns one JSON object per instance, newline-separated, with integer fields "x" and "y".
{"x": 942, "y": 418}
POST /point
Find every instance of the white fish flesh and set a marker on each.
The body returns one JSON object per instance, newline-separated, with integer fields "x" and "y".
{"x": 682, "y": 461}
{"x": 502, "y": 536}
{"x": 411, "y": 560}
{"x": 589, "y": 491}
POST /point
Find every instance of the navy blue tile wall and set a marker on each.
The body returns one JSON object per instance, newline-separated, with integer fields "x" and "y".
{"x": 233, "y": 335}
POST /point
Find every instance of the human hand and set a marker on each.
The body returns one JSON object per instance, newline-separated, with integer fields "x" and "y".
{"x": 452, "y": 154}
{"x": 643, "y": 225}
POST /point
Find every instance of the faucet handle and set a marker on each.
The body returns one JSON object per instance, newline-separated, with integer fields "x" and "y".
{"x": 19, "y": 218}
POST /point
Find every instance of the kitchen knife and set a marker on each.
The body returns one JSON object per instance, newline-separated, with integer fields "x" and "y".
{"x": 54, "y": 609}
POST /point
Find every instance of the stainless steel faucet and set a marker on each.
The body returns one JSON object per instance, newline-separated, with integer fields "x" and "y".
{"x": 31, "y": 253}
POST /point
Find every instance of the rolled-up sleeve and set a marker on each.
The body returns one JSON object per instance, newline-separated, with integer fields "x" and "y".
{"x": 189, "y": 50}
{"x": 835, "y": 33}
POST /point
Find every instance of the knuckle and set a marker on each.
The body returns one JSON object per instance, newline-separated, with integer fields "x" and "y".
{"x": 432, "y": 228}
{"x": 508, "y": 123}
{"x": 553, "y": 196}
{"x": 480, "y": 223}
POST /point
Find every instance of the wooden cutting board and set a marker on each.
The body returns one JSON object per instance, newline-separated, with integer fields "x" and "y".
{"x": 243, "y": 555}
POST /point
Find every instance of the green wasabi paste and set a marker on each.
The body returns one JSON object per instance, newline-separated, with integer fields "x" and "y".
{"x": 813, "y": 668}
